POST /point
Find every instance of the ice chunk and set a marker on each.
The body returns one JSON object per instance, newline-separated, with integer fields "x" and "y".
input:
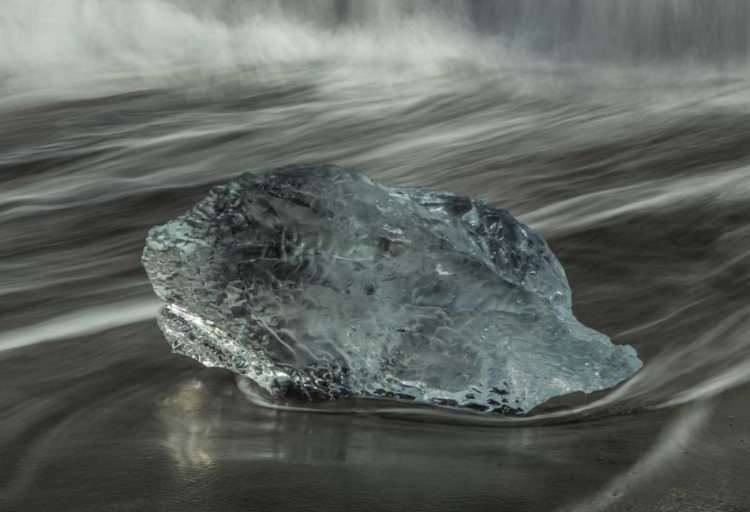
{"x": 317, "y": 281}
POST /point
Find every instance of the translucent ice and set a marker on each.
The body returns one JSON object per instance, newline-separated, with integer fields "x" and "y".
{"x": 317, "y": 281}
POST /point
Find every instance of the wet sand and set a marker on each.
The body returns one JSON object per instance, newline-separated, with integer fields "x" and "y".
{"x": 114, "y": 422}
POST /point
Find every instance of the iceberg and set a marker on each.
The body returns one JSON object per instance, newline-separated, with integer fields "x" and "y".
{"x": 318, "y": 282}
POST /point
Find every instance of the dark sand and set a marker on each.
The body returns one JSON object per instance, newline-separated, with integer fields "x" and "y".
{"x": 145, "y": 430}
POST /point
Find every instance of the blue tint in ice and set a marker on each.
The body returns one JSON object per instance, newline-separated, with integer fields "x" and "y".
{"x": 317, "y": 281}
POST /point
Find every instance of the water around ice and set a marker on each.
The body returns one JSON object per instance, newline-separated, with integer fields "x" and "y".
{"x": 632, "y": 167}
{"x": 617, "y": 129}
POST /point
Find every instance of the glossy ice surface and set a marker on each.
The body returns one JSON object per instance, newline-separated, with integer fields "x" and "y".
{"x": 317, "y": 281}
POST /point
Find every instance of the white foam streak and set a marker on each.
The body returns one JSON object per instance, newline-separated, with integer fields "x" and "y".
{"x": 80, "y": 323}
{"x": 595, "y": 208}
{"x": 667, "y": 450}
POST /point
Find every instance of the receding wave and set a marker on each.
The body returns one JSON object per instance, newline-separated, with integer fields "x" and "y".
{"x": 62, "y": 45}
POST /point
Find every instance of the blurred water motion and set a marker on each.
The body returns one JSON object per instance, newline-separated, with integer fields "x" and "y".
{"x": 619, "y": 129}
